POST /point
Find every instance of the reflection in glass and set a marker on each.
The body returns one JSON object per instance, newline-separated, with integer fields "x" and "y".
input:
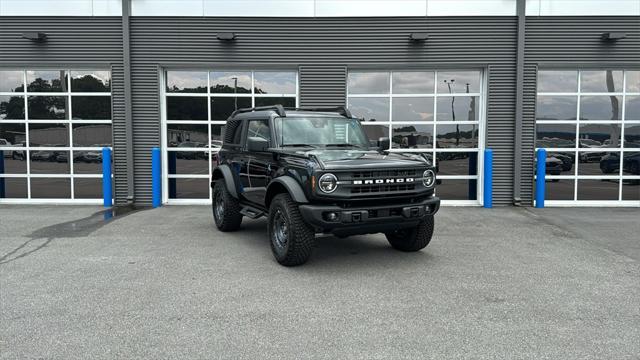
{"x": 456, "y": 136}
{"x": 11, "y": 81}
{"x": 50, "y": 188}
{"x": 48, "y": 107}
{"x": 598, "y": 163}
{"x": 11, "y": 107}
{"x": 368, "y": 83}
{"x": 90, "y": 81}
{"x": 605, "y": 189}
{"x": 284, "y": 101}
{"x": 458, "y": 82}
{"x": 49, "y": 162}
{"x": 274, "y": 82}
{"x": 370, "y": 109}
{"x": 53, "y": 134}
{"x": 601, "y": 81}
{"x": 12, "y": 134}
{"x": 457, "y": 189}
{"x": 187, "y": 135}
{"x": 187, "y": 108}
{"x": 12, "y": 161}
{"x": 87, "y": 161}
{"x": 223, "y": 107}
{"x": 186, "y": 82}
{"x": 600, "y": 107}
{"x": 631, "y": 190}
{"x": 632, "y": 109}
{"x": 632, "y": 136}
{"x": 91, "y": 107}
{"x": 556, "y": 107}
{"x": 631, "y": 163}
{"x": 413, "y": 82}
{"x": 92, "y": 135}
{"x": 13, "y": 188}
{"x": 217, "y": 135}
{"x": 560, "y": 163}
{"x": 412, "y": 137}
{"x": 559, "y": 189}
{"x": 87, "y": 188}
{"x": 413, "y": 109}
{"x": 457, "y": 108}
{"x": 188, "y": 162}
{"x": 558, "y": 81}
{"x": 457, "y": 163}
{"x": 375, "y": 132}
{"x": 230, "y": 82}
{"x": 633, "y": 81}
{"x": 600, "y": 135}
{"x": 555, "y": 135}
{"x": 189, "y": 189}
{"x": 47, "y": 81}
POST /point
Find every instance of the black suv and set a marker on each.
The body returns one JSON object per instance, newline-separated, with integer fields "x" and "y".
{"x": 314, "y": 171}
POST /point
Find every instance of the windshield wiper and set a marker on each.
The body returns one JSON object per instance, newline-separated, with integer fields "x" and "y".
{"x": 344, "y": 145}
{"x": 298, "y": 145}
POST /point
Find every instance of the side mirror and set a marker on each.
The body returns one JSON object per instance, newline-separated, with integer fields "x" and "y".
{"x": 384, "y": 143}
{"x": 257, "y": 144}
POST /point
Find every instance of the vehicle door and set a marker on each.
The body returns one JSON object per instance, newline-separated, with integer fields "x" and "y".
{"x": 259, "y": 166}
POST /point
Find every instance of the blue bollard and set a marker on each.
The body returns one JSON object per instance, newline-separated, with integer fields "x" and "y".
{"x": 488, "y": 178}
{"x": 541, "y": 171}
{"x": 156, "y": 178}
{"x": 2, "y": 182}
{"x": 107, "y": 193}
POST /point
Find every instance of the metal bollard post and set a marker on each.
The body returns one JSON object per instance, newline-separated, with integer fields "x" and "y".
{"x": 541, "y": 170}
{"x": 488, "y": 178}
{"x": 156, "y": 178}
{"x": 107, "y": 193}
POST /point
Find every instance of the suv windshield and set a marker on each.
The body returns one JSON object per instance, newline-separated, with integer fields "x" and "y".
{"x": 320, "y": 131}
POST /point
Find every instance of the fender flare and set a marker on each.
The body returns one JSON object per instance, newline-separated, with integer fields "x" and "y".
{"x": 227, "y": 175}
{"x": 293, "y": 188}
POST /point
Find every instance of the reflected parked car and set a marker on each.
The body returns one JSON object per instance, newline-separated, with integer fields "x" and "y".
{"x": 567, "y": 160}
{"x": 44, "y": 155}
{"x": 610, "y": 163}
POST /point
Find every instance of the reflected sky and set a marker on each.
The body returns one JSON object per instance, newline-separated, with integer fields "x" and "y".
{"x": 368, "y": 83}
{"x": 275, "y": 82}
{"x": 557, "y": 81}
{"x": 11, "y": 81}
{"x": 413, "y": 82}
{"x": 413, "y": 109}
{"x": 371, "y": 109}
{"x": 601, "y": 81}
{"x": 632, "y": 110}
{"x": 556, "y": 107}
{"x": 600, "y": 107}
{"x": 225, "y": 82}
{"x": 633, "y": 81}
{"x": 458, "y": 82}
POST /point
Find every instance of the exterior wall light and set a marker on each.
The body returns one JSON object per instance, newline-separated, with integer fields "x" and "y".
{"x": 35, "y": 36}
{"x": 613, "y": 36}
{"x": 418, "y": 36}
{"x": 226, "y": 36}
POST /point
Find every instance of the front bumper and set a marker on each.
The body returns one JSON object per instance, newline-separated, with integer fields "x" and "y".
{"x": 373, "y": 219}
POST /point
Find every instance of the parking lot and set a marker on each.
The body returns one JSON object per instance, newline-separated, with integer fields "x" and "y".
{"x": 494, "y": 283}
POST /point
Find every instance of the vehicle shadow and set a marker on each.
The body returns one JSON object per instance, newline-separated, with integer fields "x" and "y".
{"x": 361, "y": 250}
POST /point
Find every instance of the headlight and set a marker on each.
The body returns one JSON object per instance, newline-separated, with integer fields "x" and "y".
{"x": 428, "y": 178}
{"x": 328, "y": 183}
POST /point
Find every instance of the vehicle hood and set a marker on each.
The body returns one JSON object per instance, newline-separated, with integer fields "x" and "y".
{"x": 343, "y": 159}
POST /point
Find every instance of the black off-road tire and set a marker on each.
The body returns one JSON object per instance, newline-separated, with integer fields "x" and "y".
{"x": 413, "y": 239}
{"x": 229, "y": 218}
{"x": 296, "y": 245}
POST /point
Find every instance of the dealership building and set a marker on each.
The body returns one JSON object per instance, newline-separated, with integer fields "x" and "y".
{"x": 447, "y": 78}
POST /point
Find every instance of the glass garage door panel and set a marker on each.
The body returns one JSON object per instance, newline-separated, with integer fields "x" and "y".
{"x": 589, "y": 123}
{"x": 54, "y": 124}
{"x": 438, "y": 114}
{"x": 197, "y": 104}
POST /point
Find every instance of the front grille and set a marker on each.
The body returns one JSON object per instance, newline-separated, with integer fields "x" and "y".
{"x": 365, "y": 189}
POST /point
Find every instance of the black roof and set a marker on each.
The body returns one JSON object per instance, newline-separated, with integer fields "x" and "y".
{"x": 279, "y": 110}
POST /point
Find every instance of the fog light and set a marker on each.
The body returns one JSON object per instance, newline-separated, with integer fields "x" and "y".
{"x": 332, "y": 216}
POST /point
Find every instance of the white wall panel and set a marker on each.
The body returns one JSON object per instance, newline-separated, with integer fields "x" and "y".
{"x": 355, "y": 8}
{"x": 589, "y": 7}
{"x": 471, "y": 7}
{"x": 46, "y": 7}
{"x": 166, "y": 8}
{"x": 259, "y": 8}
{"x": 107, "y": 7}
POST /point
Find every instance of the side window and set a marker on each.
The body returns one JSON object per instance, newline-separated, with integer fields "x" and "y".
{"x": 259, "y": 128}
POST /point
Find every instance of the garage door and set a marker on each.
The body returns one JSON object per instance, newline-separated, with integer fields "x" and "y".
{"x": 53, "y": 126}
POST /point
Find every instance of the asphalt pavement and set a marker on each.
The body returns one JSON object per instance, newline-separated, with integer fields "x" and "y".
{"x": 504, "y": 283}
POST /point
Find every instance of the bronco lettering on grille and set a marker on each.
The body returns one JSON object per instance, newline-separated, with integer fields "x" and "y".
{"x": 384, "y": 181}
